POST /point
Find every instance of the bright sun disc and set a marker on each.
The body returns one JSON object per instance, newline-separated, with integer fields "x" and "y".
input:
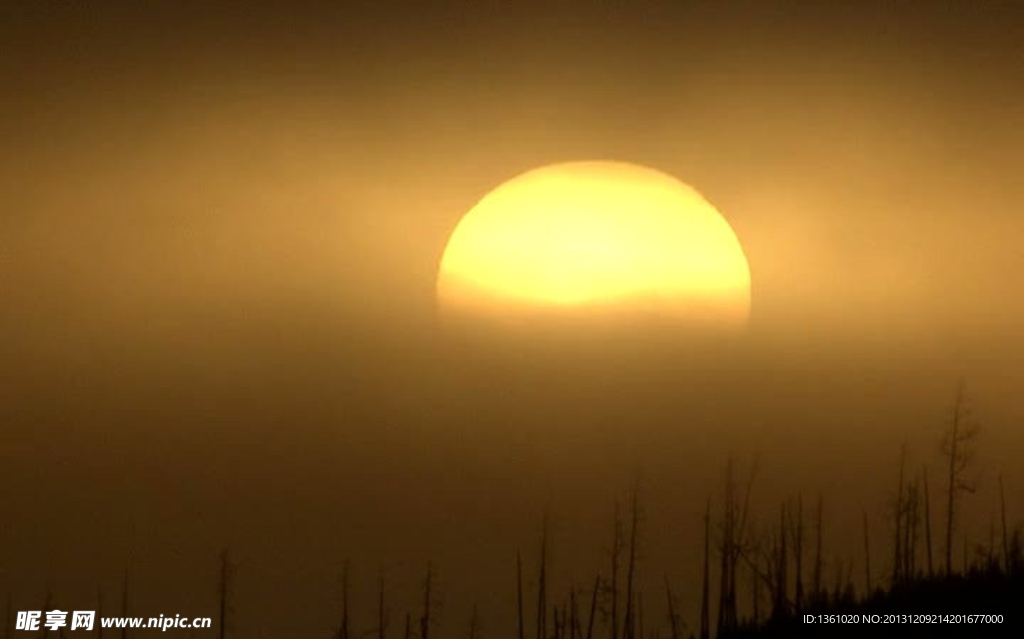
{"x": 582, "y": 236}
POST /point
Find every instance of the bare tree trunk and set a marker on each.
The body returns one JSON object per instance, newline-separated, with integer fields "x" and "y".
{"x": 705, "y": 630}
{"x": 755, "y": 589}
{"x": 726, "y": 603}
{"x": 951, "y": 486}
{"x": 799, "y": 549}
{"x": 782, "y": 563}
{"x": 639, "y": 633}
{"x": 519, "y": 593}
{"x": 344, "y": 600}
{"x": 897, "y": 561}
{"x": 961, "y": 432}
{"x": 927, "y": 521}
{"x": 425, "y": 619}
{"x": 915, "y": 526}
{"x": 909, "y": 530}
{"x": 737, "y": 535}
{"x": 616, "y": 548}
{"x": 966, "y": 562}
{"x": 573, "y": 612}
{"x": 673, "y": 621}
{"x": 991, "y": 552}
{"x": 628, "y": 631}
{"x": 47, "y": 601}
{"x": 1002, "y": 510}
{"x": 593, "y": 607}
{"x": 225, "y": 591}
{"x": 542, "y": 593}
{"x": 124, "y": 605}
{"x": 817, "y": 552}
{"x": 473, "y": 623}
{"x": 867, "y": 557}
{"x": 381, "y": 612}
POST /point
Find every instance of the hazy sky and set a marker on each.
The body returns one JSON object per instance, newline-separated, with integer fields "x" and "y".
{"x": 220, "y": 229}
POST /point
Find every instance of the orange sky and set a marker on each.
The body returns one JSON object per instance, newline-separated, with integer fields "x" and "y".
{"x": 221, "y": 228}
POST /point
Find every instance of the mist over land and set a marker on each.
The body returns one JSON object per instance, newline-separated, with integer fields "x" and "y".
{"x": 218, "y": 249}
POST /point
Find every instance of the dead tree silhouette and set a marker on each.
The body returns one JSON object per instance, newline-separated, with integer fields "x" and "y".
{"x": 797, "y": 531}
{"x": 613, "y": 584}
{"x": 343, "y": 631}
{"x": 224, "y": 591}
{"x": 1002, "y": 515}
{"x": 705, "y": 629}
{"x": 99, "y": 612}
{"x": 817, "y": 550}
{"x": 542, "y": 593}
{"x": 382, "y": 612}
{"x": 867, "y": 556}
{"x": 628, "y": 631}
{"x": 425, "y": 619}
{"x": 927, "y": 520}
{"x": 593, "y": 607}
{"x": 734, "y": 544}
{"x": 957, "y": 446}
{"x": 519, "y": 593}
{"x": 673, "y": 618}
{"x": 898, "y": 510}
{"x": 124, "y": 603}
{"x": 474, "y": 623}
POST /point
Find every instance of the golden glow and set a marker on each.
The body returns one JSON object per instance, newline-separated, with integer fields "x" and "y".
{"x": 596, "y": 234}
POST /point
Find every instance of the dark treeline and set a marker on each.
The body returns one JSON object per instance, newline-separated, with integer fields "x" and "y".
{"x": 779, "y": 566}
{"x": 776, "y": 562}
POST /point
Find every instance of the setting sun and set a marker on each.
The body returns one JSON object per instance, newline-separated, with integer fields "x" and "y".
{"x": 596, "y": 234}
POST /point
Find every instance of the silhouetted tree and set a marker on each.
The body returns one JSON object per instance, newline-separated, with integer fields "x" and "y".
{"x": 573, "y": 613}
{"x": 425, "y": 619}
{"x": 382, "y": 612}
{"x": 474, "y": 623}
{"x": 927, "y": 520}
{"x": 1002, "y": 515}
{"x": 673, "y": 620}
{"x": 961, "y": 431}
{"x": 733, "y": 545}
{"x": 781, "y": 564}
{"x": 519, "y": 593}
{"x": 911, "y": 519}
{"x": 124, "y": 604}
{"x": 613, "y": 587}
{"x": 224, "y": 591}
{"x": 898, "y": 544}
{"x": 628, "y": 630}
{"x": 704, "y": 613}
{"x": 593, "y": 607}
{"x": 797, "y": 531}
{"x": 542, "y": 594}
{"x": 639, "y": 632}
{"x": 817, "y": 550}
{"x": 867, "y": 557}
{"x": 755, "y": 589}
{"x": 343, "y": 631}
